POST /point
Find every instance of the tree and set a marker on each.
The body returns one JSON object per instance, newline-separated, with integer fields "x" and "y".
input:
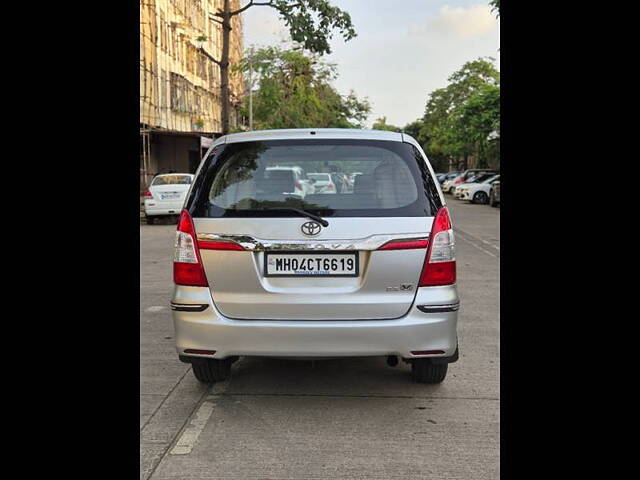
{"x": 461, "y": 119}
{"x": 418, "y": 130}
{"x": 443, "y": 117}
{"x": 295, "y": 90}
{"x": 381, "y": 124}
{"x": 479, "y": 124}
{"x": 495, "y": 6}
{"x": 310, "y": 22}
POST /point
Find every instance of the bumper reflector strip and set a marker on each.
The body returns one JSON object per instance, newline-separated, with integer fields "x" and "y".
{"x": 184, "y": 307}
{"x": 438, "y": 308}
{"x": 200, "y": 352}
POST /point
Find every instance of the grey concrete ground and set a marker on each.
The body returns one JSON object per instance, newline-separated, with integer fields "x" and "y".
{"x": 356, "y": 419}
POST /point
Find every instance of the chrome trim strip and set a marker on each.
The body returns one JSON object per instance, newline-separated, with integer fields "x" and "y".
{"x": 451, "y": 307}
{"x": 184, "y": 307}
{"x": 254, "y": 244}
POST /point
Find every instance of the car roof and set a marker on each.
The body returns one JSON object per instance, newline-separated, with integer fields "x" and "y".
{"x": 310, "y": 133}
{"x": 177, "y": 173}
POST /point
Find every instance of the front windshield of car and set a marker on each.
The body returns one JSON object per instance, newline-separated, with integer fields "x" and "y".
{"x": 322, "y": 177}
{"x": 491, "y": 179}
{"x": 480, "y": 178}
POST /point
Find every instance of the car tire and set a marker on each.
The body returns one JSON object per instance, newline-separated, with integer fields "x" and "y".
{"x": 212, "y": 370}
{"x": 480, "y": 197}
{"x": 150, "y": 220}
{"x": 424, "y": 371}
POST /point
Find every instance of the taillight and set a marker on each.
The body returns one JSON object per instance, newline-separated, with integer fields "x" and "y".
{"x": 148, "y": 194}
{"x": 187, "y": 264}
{"x": 298, "y": 185}
{"x": 440, "y": 262}
{"x": 404, "y": 244}
{"x": 215, "y": 245}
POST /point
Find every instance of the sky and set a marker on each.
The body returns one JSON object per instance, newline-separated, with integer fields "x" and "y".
{"x": 404, "y": 50}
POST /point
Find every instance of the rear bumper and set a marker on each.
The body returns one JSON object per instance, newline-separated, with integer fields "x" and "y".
{"x": 419, "y": 330}
{"x": 154, "y": 207}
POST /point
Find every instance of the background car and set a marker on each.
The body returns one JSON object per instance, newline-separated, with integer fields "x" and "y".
{"x": 447, "y": 184}
{"x": 456, "y": 190}
{"x": 464, "y": 177}
{"x": 477, "y": 192}
{"x": 166, "y": 195}
{"x": 494, "y": 194}
{"x": 303, "y": 186}
{"x": 343, "y": 182}
{"x": 443, "y": 177}
{"x": 323, "y": 182}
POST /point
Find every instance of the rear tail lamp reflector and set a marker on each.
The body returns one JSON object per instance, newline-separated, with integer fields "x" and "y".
{"x": 215, "y": 245}
{"x": 405, "y": 244}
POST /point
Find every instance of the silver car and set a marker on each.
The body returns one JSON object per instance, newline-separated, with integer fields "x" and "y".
{"x": 262, "y": 271}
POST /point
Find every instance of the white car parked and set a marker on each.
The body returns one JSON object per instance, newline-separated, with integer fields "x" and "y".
{"x": 477, "y": 192}
{"x": 323, "y": 183}
{"x": 477, "y": 178}
{"x": 166, "y": 195}
{"x": 302, "y": 185}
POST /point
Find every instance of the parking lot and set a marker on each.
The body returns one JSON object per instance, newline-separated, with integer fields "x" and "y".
{"x": 352, "y": 418}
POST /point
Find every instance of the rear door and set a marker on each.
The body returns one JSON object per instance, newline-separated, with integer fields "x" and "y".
{"x": 289, "y": 271}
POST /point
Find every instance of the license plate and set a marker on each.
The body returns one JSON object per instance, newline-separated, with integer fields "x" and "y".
{"x": 334, "y": 264}
{"x": 169, "y": 196}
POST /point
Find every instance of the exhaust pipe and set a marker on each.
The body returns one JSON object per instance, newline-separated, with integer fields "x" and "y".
{"x": 392, "y": 360}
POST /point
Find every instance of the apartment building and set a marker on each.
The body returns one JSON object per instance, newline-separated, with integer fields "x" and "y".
{"x": 180, "y": 104}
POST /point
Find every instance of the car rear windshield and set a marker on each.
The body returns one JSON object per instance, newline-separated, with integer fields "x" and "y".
{"x": 172, "y": 180}
{"x": 321, "y": 177}
{"x": 255, "y": 179}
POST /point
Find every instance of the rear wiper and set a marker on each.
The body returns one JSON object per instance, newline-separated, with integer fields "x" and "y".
{"x": 304, "y": 213}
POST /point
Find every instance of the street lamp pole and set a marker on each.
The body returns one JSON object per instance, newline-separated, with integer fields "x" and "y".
{"x": 251, "y": 89}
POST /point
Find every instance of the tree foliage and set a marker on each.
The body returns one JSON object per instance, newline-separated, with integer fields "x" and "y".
{"x": 311, "y": 23}
{"x": 459, "y": 117}
{"x": 479, "y": 120}
{"x": 495, "y": 6}
{"x": 295, "y": 91}
{"x": 461, "y": 120}
{"x": 381, "y": 124}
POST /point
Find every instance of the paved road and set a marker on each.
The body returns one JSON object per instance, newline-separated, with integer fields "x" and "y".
{"x": 356, "y": 419}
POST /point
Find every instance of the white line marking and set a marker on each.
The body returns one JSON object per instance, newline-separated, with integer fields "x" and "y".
{"x": 192, "y": 432}
{"x": 490, "y": 244}
{"x": 478, "y": 247}
{"x": 155, "y": 309}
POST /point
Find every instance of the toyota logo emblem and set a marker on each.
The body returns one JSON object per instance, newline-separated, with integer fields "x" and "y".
{"x": 311, "y": 228}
